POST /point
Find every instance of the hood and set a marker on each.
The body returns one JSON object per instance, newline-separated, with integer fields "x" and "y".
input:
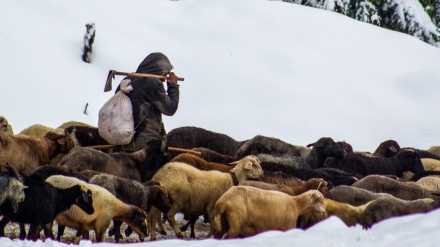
{"x": 156, "y": 64}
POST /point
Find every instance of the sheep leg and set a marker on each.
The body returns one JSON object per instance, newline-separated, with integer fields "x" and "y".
{"x": 48, "y": 230}
{"x": 185, "y": 227}
{"x": 60, "y": 231}
{"x": 33, "y": 231}
{"x": 171, "y": 218}
{"x": 152, "y": 219}
{"x": 161, "y": 229}
{"x": 117, "y": 230}
{"x": 128, "y": 231}
{"x": 22, "y": 231}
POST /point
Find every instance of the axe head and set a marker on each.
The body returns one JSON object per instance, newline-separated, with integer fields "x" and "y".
{"x": 108, "y": 83}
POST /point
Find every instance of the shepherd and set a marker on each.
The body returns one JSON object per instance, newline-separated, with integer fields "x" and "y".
{"x": 149, "y": 101}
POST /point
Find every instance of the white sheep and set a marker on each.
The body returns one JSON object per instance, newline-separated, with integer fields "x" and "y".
{"x": 194, "y": 192}
{"x": 107, "y": 208}
{"x": 245, "y": 211}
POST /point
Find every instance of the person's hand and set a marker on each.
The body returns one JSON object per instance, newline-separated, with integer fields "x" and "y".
{"x": 172, "y": 77}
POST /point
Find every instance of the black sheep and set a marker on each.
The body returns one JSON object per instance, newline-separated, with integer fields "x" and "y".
{"x": 193, "y": 137}
{"x": 406, "y": 160}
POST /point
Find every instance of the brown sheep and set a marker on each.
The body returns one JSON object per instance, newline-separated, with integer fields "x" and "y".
{"x": 5, "y": 126}
{"x": 212, "y": 156}
{"x": 26, "y": 153}
{"x": 107, "y": 208}
{"x": 38, "y": 130}
{"x": 387, "y": 207}
{"x": 350, "y": 215}
{"x": 244, "y": 211}
{"x": 200, "y": 163}
{"x": 312, "y": 184}
{"x": 399, "y": 189}
{"x": 194, "y": 192}
{"x": 280, "y": 178}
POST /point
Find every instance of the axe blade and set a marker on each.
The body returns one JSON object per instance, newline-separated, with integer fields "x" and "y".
{"x": 108, "y": 83}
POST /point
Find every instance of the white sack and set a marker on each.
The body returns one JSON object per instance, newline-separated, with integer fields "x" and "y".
{"x": 115, "y": 123}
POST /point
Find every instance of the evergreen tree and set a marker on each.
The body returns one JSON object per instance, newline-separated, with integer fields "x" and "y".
{"x": 408, "y": 16}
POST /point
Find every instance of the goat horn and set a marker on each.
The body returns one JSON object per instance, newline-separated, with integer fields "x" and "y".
{"x": 319, "y": 185}
{"x": 11, "y": 169}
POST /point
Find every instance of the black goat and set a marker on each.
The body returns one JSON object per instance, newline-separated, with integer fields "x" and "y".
{"x": 41, "y": 204}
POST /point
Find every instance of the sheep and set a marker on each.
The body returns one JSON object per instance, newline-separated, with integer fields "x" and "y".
{"x": 353, "y": 195}
{"x": 83, "y": 134}
{"x": 391, "y": 148}
{"x": 200, "y": 163}
{"x": 244, "y": 211}
{"x": 334, "y": 176}
{"x": 26, "y": 153}
{"x": 431, "y": 164}
{"x": 323, "y": 148}
{"x": 407, "y": 160}
{"x": 387, "y": 207}
{"x": 430, "y": 183}
{"x": 399, "y": 189}
{"x": 194, "y": 192}
{"x": 134, "y": 193}
{"x": 38, "y": 131}
{"x": 107, "y": 208}
{"x": 121, "y": 164}
{"x": 194, "y": 137}
{"x": 312, "y": 184}
{"x": 273, "y": 146}
{"x": 434, "y": 149}
{"x": 5, "y": 126}
{"x": 212, "y": 156}
{"x": 350, "y": 215}
{"x": 43, "y": 172}
{"x": 40, "y": 212}
{"x": 11, "y": 187}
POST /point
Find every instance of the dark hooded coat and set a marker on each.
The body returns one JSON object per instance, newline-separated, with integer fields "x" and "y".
{"x": 150, "y": 100}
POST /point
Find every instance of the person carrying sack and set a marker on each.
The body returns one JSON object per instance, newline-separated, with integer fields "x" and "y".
{"x": 149, "y": 101}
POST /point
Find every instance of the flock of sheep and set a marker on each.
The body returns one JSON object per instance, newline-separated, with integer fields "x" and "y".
{"x": 241, "y": 188}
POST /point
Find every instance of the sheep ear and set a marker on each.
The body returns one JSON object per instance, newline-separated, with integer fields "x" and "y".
{"x": 61, "y": 141}
{"x": 393, "y": 149}
{"x": 234, "y": 163}
{"x": 310, "y": 145}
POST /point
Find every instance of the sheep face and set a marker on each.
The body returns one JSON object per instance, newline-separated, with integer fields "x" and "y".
{"x": 138, "y": 222}
{"x": 330, "y": 148}
{"x": 250, "y": 165}
{"x": 85, "y": 202}
{"x": 317, "y": 203}
{"x": 62, "y": 138}
{"x": 415, "y": 165}
{"x": 159, "y": 198}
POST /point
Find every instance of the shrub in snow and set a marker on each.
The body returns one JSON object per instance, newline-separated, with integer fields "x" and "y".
{"x": 89, "y": 37}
